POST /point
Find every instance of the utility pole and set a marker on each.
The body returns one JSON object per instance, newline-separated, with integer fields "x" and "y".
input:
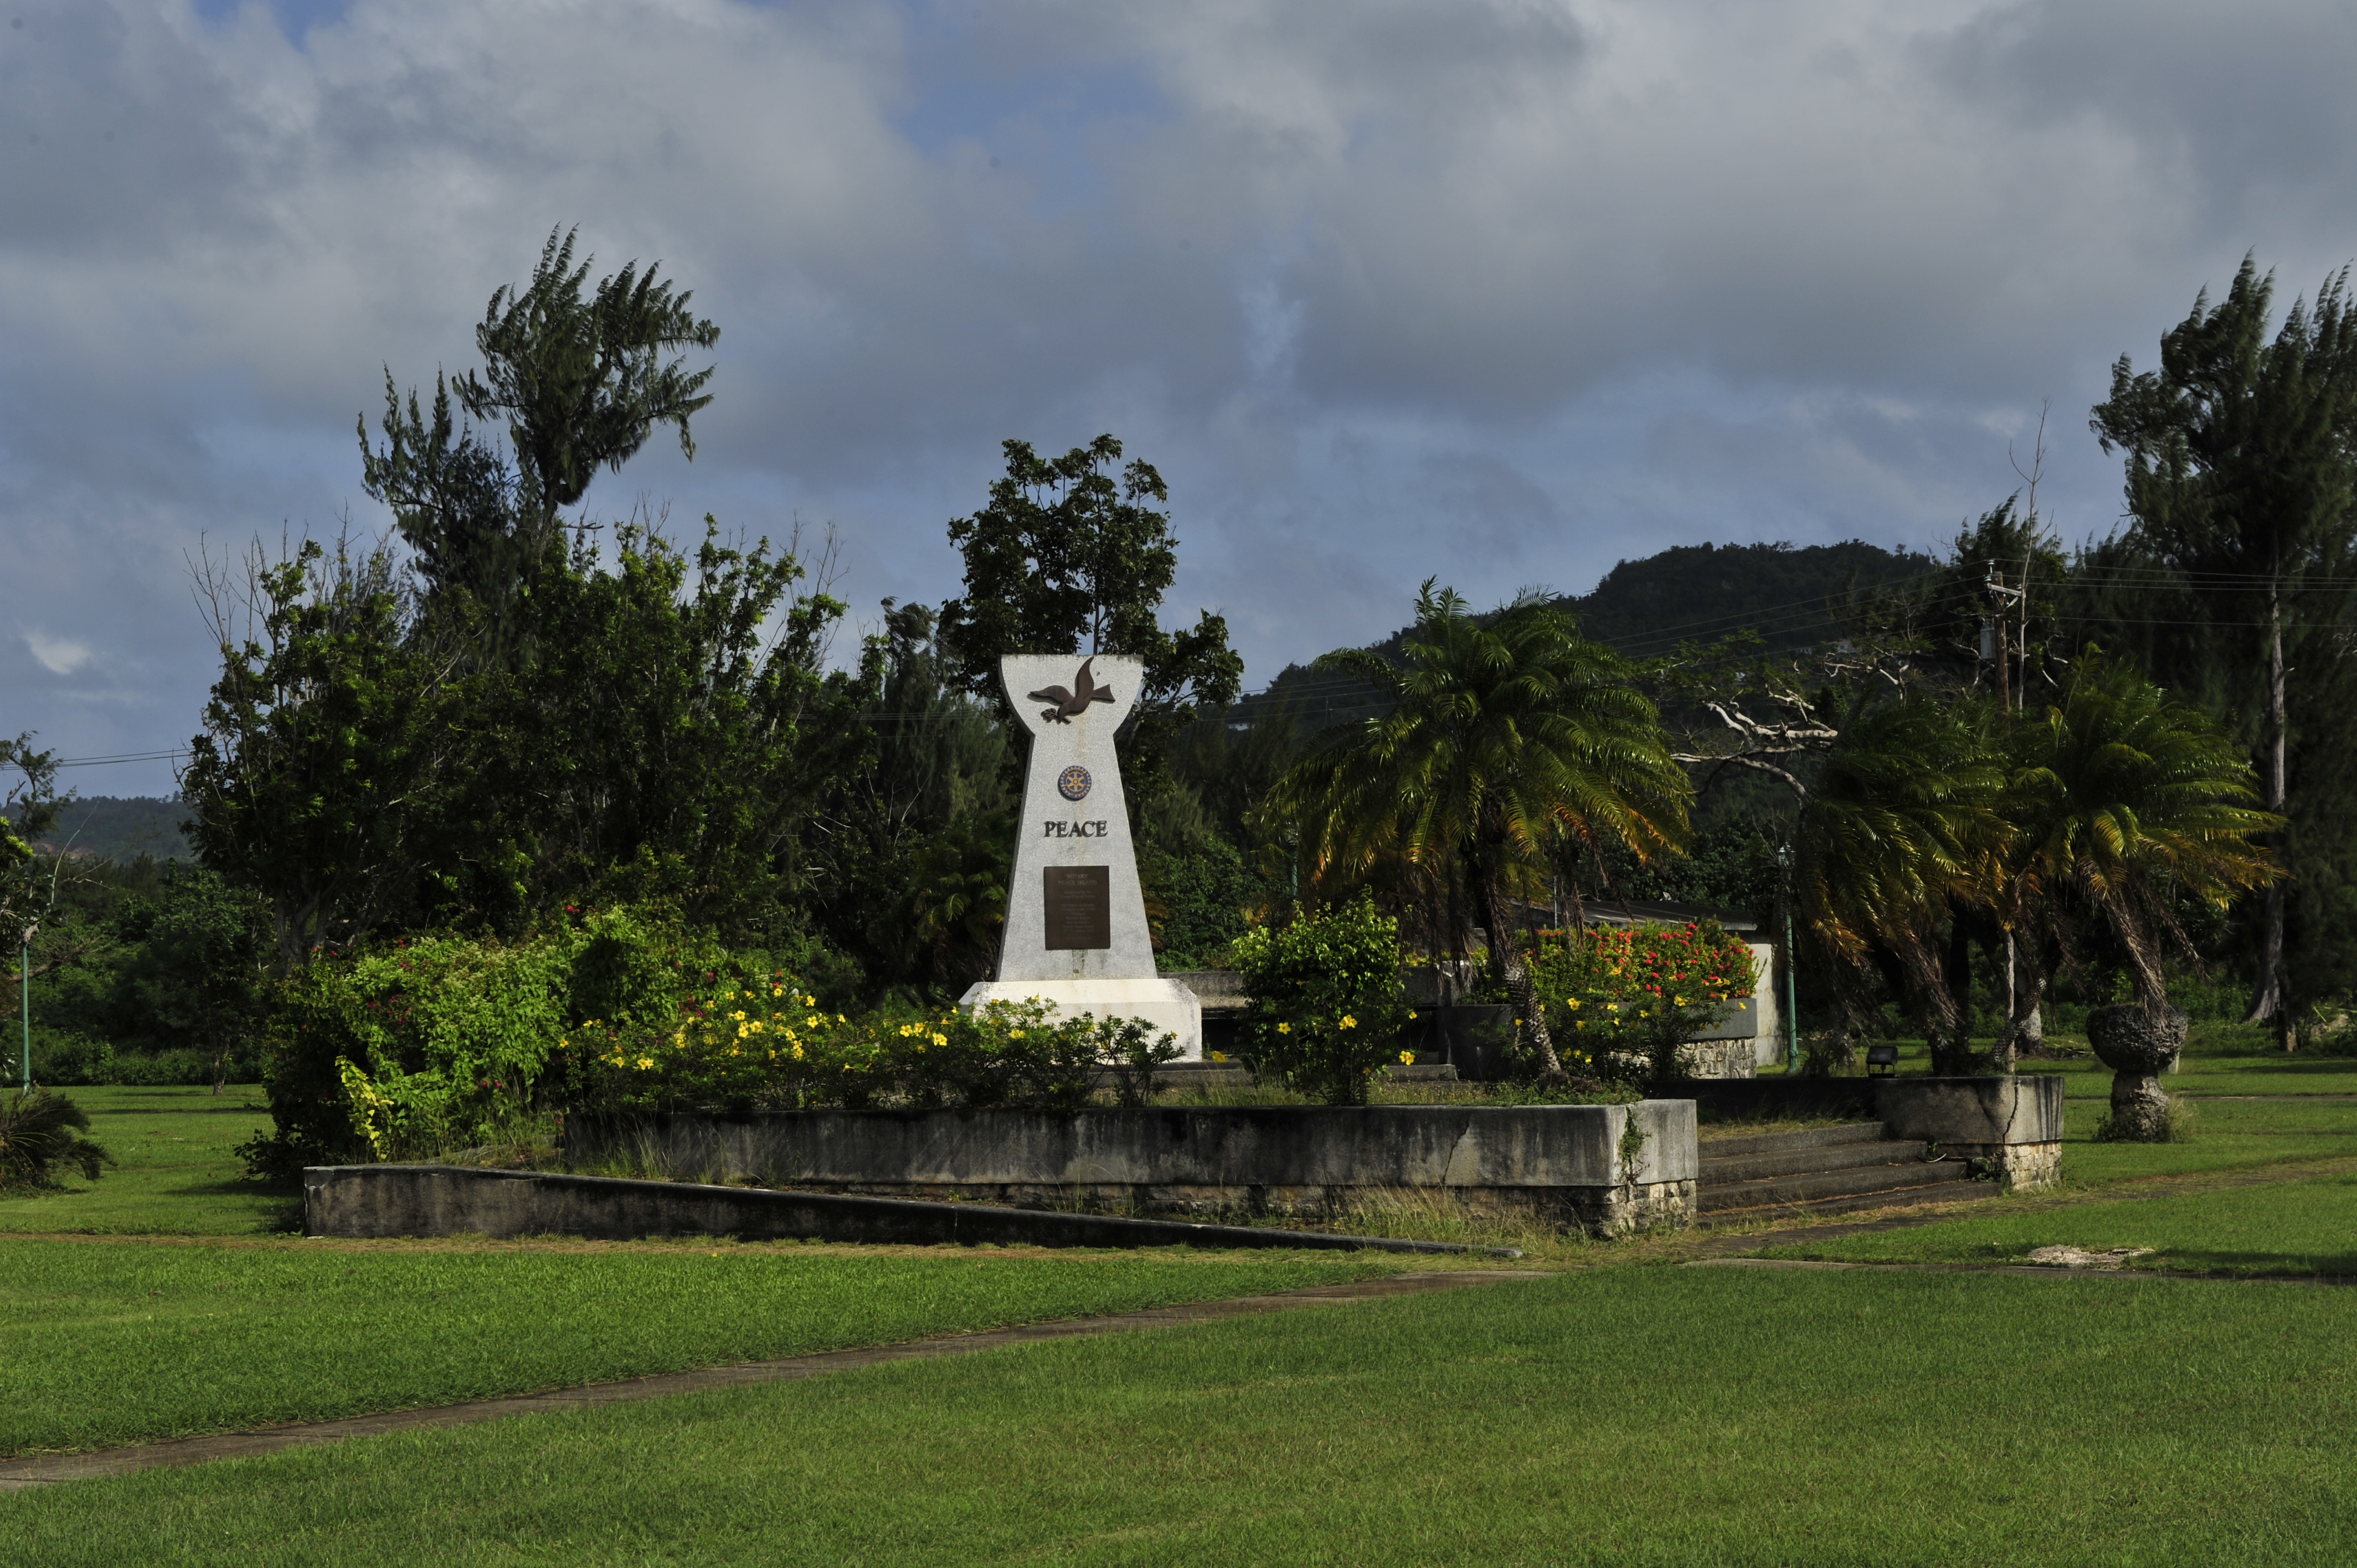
{"x": 25, "y": 985}
{"x": 2000, "y": 597}
{"x": 1791, "y": 982}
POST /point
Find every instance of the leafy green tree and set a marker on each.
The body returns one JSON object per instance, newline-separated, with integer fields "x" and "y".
{"x": 1508, "y": 735}
{"x": 325, "y": 745}
{"x": 669, "y": 739}
{"x": 1069, "y": 558}
{"x": 580, "y": 378}
{"x": 202, "y": 959}
{"x": 911, "y": 852}
{"x": 2240, "y": 478}
{"x": 495, "y": 724}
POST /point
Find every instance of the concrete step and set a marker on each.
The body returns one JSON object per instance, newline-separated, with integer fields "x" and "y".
{"x": 1806, "y": 1138}
{"x": 1808, "y": 1188}
{"x": 1718, "y": 1171}
{"x": 1897, "y": 1198}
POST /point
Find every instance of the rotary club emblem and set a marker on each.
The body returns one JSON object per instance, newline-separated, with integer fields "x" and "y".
{"x": 1073, "y": 782}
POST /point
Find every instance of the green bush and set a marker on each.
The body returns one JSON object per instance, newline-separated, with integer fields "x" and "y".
{"x": 1328, "y": 1000}
{"x": 41, "y": 1131}
{"x": 62, "y": 1058}
{"x": 441, "y": 1040}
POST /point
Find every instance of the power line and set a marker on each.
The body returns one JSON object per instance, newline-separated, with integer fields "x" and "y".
{"x": 172, "y": 755}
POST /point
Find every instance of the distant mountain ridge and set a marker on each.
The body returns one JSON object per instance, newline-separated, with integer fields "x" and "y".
{"x": 1645, "y": 607}
{"x": 113, "y": 827}
{"x": 1703, "y": 592}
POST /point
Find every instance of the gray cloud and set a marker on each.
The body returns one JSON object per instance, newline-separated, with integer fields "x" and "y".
{"x": 1500, "y": 292}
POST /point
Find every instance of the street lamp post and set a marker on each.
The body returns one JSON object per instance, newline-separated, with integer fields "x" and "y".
{"x": 1791, "y": 984}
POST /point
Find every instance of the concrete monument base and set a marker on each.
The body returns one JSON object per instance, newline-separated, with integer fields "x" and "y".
{"x": 1168, "y": 1006}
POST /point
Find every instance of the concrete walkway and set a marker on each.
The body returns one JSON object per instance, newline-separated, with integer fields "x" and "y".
{"x": 38, "y": 1470}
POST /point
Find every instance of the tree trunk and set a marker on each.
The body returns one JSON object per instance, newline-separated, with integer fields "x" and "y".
{"x": 2025, "y": 1025}
{"x": 1506, "y": 949}
{"x": 2267, "y": 996}
{"x": 1956, "y": 1055}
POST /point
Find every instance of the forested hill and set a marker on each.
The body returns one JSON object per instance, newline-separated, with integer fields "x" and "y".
{"x": 108, "y": 827}
{"x": 1690, "y": 591}
{"x": 1702, "y": 592}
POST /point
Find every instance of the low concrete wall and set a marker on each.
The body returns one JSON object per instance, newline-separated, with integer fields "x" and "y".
{"x": 459, "y": 1200}
{"x": 1561, "y": 1165}
{"x": 2011, "y": 1122}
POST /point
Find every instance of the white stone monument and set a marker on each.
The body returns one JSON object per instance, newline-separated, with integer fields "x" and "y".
{"x": 1076, "y": 934}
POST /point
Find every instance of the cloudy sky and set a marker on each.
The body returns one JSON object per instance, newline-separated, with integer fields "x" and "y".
{"x": 1504, "y": 293}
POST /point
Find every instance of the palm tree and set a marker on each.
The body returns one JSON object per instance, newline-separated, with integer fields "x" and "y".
{"x": 1507, "y": 733}
{"x": 1904, "y": 828}
{"x": 2127, "y": 802}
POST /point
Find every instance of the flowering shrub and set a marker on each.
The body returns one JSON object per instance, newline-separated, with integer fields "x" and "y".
{"x": 1636, "y": 994}
{"x": 432, "y": 1042}
{"x": 1328, "y": 1000}
{"x": 765, "y": 1044}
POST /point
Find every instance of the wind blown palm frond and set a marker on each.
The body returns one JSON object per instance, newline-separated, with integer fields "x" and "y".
{"x": 1507, "y": 736}
{"x": 1908, "y": 822}
{"x": 2126, "y": 799}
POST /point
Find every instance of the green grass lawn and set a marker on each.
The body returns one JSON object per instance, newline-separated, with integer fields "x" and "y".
{"x": 2291, "y": 1228}
{"x": 2219, "y": 1059}
{"x": 175, "y": 1176}
{"x": 1612, "y": 1416}
{"x": 2230, "y": 1136}
{"x": 114, "y": 1342}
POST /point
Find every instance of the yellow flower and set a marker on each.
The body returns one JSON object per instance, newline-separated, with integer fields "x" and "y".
{"x": 1678, "y": 1001}
{"x": 1572, "y": 1002}
{"x": 1407, "y": 1059}
{"x": 645, "y": 1063}
{"x": 743, "y": 1030}
{"x": 798, "y": 1053}
{"x": 809, "y": 1001}
{"x": 777, "y": 990}
{"x": 738, "y": 1015}
{"x": 811, "y": 1022}
{"x": 1348, "y": 1022}
{"x": 941, "y": 1040}
{"x": 1284, "y": 1028}
{"x": 1014, "y": 1033}
{"x": 1411, "y": 1012}
{"x": 1219, "y": 1055}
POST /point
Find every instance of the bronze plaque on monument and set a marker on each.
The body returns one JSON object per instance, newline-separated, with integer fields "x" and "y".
{"x": 1079, "y": 906}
